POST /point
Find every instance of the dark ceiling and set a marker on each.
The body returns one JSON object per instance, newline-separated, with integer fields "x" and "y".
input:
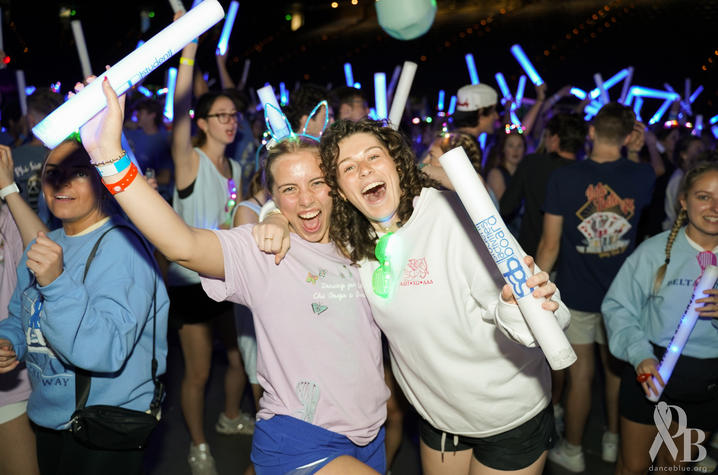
{"x": 568, "y": 41}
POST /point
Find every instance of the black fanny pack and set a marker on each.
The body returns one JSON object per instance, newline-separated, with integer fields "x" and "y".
{"x": 111, "y": 427}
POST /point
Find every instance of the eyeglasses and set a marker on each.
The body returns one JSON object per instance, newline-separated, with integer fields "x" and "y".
{"x": 381, "y": 279}
{"x": 232, "y": 199}
{"x": 225, "y": 117}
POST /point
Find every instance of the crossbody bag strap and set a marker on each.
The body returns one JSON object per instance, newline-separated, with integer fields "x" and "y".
{"x": 83, "y": 377}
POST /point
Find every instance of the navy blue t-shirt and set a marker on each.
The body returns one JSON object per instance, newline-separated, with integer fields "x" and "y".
{"x": 601, "y": 204}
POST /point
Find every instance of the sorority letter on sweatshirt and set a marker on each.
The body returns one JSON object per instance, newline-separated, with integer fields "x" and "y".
{"x": 318, "y": 348}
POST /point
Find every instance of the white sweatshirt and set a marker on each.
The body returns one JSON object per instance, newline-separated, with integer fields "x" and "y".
{"x": 465, "y": 360}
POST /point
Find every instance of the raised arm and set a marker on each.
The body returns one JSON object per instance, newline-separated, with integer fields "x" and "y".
{"x": 185, "y": 159}
{"x": 533, "y": 113}
{"x": 28, "y": 222}
{"x": 224, "y": 78}
{"x": 196, "y": 249}
{"x": 550, "y": 242}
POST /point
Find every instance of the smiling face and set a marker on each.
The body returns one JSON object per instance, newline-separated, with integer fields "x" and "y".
{"x": 302, "y": 194}
{"x": 367, "y": 177}
{"x": 72, "y": 188}
{"x": 212, "y": 125}
{"x": 701, "y": 205}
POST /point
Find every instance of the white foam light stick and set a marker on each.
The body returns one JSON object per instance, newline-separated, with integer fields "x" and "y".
{"x": 508, "y": 257}
{"x": 81, "y": 47}
{"x": 685, "y": 327}
{"x": 401, "y": 94}
{"x": 380, "y": 95}
{"x": 276, "y": 121}
{"x": 245, "y": 73}
{"x": 22, "y": 94}
{"x": 177, "y": 5}
{"x": 227, "y": 28}
{"x": 81, "y": 107}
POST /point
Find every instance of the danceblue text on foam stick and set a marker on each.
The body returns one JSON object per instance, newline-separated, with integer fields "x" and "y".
{"x": 685, "y": 327}
{"x": 508, "y": 257}
{"x": 227, "y": 28}
{"x": 81, "y": 107}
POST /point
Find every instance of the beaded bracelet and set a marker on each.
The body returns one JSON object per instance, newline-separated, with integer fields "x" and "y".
{"x": 106, "y": 162}
{"x": 126, "y": 181}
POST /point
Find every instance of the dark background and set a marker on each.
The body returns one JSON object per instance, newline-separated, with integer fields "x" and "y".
{"x": 568, "y": 41}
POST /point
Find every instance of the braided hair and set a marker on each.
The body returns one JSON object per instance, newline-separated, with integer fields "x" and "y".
{"x": 686, "y": 185}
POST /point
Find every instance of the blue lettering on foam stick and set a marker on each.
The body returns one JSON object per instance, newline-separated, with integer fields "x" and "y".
{"x": 516, "y": 277}
{"x": 494, "y": 236}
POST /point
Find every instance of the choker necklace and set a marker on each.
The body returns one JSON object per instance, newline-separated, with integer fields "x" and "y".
{"x": 382, "y": 222}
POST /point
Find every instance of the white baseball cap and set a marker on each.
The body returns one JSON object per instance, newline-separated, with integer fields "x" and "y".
{"x": 474, "y": 97}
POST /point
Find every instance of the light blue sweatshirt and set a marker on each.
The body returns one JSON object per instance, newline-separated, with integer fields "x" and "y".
{"x": 103, "y": 326}
{"x": 634, "y": 317}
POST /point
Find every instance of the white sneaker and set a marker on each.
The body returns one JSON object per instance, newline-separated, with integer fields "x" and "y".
{"x": 200, "y": 460}
{"x": 558, "y": 419}
{"x": 609, "y": 447}
{"x": 572, "y": 462}
{"x": 242, "y": 424}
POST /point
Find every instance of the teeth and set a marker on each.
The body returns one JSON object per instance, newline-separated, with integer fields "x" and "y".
{"x": 309, "y": 215}
{"x": 712, "y": 219}
{"x": 62, "y": 197}
{"x": 371, "y": 186}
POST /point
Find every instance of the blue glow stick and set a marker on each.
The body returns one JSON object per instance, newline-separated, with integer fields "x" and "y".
{"x": 283, "y": 94}
{"x": 348, "y": 74}
{"x": 668, "y": 87}
{"x": 641, "y": 91}
{"x": 714, "y": 129}
{"x": 713, "y": 120}
{"x": 29, "y": 90}
{"x": 683, "y": 332}
{"x": 482, "y": 141}
{"x": 695, "y": 94}
{"x": 81, "y": 107}
{"x": 525, "y": 63}
{"x": 227, "y": 28}
{"x": 637, "y": 107}
{"x": 273, "y": 114}
{"x": 514, "y": 118}
{"x": 612, "y": 81}
{"x": 580, "y": 93}
{"x": 357, "y": 85}
{"x": 372, "y": 114}
{"x": 601, "y": 88}
{"x": 380, "y": 95}
{"x": 472, "y": 68}
{"x": 170, "y": 97}
{"x": 687, "y": 90}
{"x": 452, "y": 105}
{"x": 144, "y": 91}
{"x": 442, "y": 97}
{"x": 698, "y": 128}
{"x": 660, "y": 112}
{"x": 626, "y": 85}
{"x": 501, "y": 80}
{"x": 520, "y": 90}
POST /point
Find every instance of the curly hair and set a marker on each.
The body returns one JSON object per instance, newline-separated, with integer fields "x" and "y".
{"x": 350, "y": 230}
{"x": 451, "y": 140}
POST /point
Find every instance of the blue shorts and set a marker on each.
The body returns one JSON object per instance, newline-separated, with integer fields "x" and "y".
{"x": 286, "y": 445}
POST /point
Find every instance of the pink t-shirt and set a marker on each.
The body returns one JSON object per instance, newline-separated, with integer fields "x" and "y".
{"x": 318, "y": 348}
{"x": 14, "y": 386}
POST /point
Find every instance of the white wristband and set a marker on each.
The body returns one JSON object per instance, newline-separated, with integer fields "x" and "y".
{"x": 8, "y": 190}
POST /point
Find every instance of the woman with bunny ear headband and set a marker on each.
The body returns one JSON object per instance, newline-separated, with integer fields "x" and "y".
{"x": 307, "y": 311}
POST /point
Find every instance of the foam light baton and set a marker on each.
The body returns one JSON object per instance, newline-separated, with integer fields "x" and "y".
{"x": 520, "y": 90}
{"x": 626, "y": 85}
{"x": 273, "y": 114}
{"x": 440, "y": 103}
{"x": 227, "y": 28}
{"x": 81, "y": 47}
{"x": 659, "y": 113}
{"x": 698, "y": 128}
{"x": 525, "y": 63}
{"x": 602, "y": 89}
{"x": 22, "y": 94}
{"x": 170, "y": 97}
{"x": 507, "y": 255}
{"x": 472, "y": 68}
{"x": 452, "y": 105}
{"x": 685, "y": 327}
{"x": 380, "y": 95}
{"x": 580, "y": 93}
{"x": 177, "y": 6}
{"x": 695, "y": 94}
{"x": 392, "y": 83}
{"x": 348, "y": 74}
{"x": 245, "y": 73}
{"x": 81, "y": 107}
{"x": 501, "y": 81}
{"x": 402, "y": 94}
{"x": 637, "y": 107}
{"x": 713, "y": 120}
{"x": 284, "y": 94}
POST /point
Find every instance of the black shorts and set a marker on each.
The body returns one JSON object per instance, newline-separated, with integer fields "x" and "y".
{"x": 514, "y": 449}
{"x": 693, "y": 387}
{"x": 190, "y": 304}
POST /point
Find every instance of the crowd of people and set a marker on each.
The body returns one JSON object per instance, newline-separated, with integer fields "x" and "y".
{"x": 344, "y": 280}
